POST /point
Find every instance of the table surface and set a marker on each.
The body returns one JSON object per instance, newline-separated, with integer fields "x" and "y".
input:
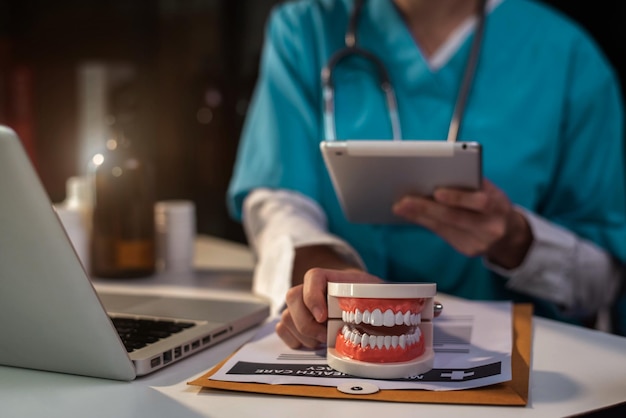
{"x": 573, "y": 370}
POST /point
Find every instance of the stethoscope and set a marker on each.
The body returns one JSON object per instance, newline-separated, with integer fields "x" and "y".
{"x": 352, "y": 49}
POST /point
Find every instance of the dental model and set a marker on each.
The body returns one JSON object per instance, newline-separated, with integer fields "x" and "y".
{"x": 381, "y": 331}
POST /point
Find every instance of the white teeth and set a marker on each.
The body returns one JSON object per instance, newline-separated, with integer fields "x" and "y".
{"x": 399, "y": 318}
{"x": 358, "y": 317}
{"x": 387, "y": 341}
{"x": 414, "y": 338}
{"x": 380, "y": 341}
{"x": 407, "y": 318}
{"x": 389, "y": 319}
{"x": 346, "y": 332}
{"x": 378, "y": 318}
{"x": 372, "y": 341}
{"x": 366, "y": 317}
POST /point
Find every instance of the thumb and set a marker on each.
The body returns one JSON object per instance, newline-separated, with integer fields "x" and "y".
{"x": 315, "y": 286}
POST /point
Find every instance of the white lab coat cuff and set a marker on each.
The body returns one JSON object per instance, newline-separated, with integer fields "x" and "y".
{"x": 276, "y": 223}
{"x": 547, "y": 264}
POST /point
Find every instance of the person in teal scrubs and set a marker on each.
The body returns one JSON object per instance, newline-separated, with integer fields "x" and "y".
{"x": 549, "y": 224}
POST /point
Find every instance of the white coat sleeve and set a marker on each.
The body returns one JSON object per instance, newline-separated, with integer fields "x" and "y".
{"x": 277, "y": 222}
{"x": 565, "y": 269}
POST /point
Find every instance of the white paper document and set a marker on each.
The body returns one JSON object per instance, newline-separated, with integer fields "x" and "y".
{"x": 472, "y": 343}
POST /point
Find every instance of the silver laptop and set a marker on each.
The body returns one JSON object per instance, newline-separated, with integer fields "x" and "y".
{"x": 51, "y": 317}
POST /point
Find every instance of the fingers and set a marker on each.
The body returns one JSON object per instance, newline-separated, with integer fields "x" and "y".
{"x": 470, "y": 221}
{"x": 464, "y": 239}
{"x": 314, "y": 293}
{"x": 309, "y": 334}
{"x": 303, "y": 323}
{"x": 488, "y": 199}
{"x": 315, "y": 284}
{"x": 439, "y": 217}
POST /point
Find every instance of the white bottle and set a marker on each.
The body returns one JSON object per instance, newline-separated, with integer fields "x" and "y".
{"x": 75, "y": 215}
{"x": 175, "y": 225}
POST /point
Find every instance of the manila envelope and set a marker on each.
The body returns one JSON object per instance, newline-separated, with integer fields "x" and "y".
{"x": 513, "y": 392}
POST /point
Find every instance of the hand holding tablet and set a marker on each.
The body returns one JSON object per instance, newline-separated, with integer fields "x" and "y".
{"x": 369, "y": 176}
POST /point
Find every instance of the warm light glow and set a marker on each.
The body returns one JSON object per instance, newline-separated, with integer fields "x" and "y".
{"x": 131, "y": 164}
{"x": 111, "y": 144}
{"x": 97, "y": 159}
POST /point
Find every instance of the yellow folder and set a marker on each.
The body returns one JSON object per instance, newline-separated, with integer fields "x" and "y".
{"x": 513, "y": 392}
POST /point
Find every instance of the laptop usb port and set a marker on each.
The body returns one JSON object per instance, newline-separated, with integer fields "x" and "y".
{"x": 155, "y": 362}
{"x": 178, "y": 352}
{"x": 220, "y": 333}
{"x": 167, "y": 356}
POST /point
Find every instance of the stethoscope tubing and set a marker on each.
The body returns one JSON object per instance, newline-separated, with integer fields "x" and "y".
{"x": 351, "y": 49}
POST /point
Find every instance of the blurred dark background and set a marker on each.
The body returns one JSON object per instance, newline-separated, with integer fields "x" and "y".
{"x": 185, "y": 69}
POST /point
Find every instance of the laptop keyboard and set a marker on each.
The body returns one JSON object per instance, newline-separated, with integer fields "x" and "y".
{"x": 137, "y": 333}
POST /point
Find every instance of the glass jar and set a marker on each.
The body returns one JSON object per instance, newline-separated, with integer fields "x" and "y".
{"x": 123, "y": 231}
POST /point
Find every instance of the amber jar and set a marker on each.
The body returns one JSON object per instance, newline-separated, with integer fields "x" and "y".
{"x": 123, "y": 231}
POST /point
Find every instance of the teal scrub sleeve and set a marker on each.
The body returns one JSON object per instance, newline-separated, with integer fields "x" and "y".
{"x": 279, "y": 147}
{"x": 589, "y": 194}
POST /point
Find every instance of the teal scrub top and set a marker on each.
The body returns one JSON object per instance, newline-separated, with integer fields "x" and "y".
{"x": 544, "y": 104}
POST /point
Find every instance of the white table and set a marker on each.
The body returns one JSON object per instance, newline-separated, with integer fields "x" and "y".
{"x": 573, "y": 370}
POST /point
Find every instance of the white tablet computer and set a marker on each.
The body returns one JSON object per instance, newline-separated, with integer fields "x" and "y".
{"x": 369, "y": 176}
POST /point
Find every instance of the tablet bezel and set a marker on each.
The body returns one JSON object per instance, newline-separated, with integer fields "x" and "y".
{"x": 369, "y": 176}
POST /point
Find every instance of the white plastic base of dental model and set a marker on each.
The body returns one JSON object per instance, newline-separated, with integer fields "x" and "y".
{"x": 421, "y": 365}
